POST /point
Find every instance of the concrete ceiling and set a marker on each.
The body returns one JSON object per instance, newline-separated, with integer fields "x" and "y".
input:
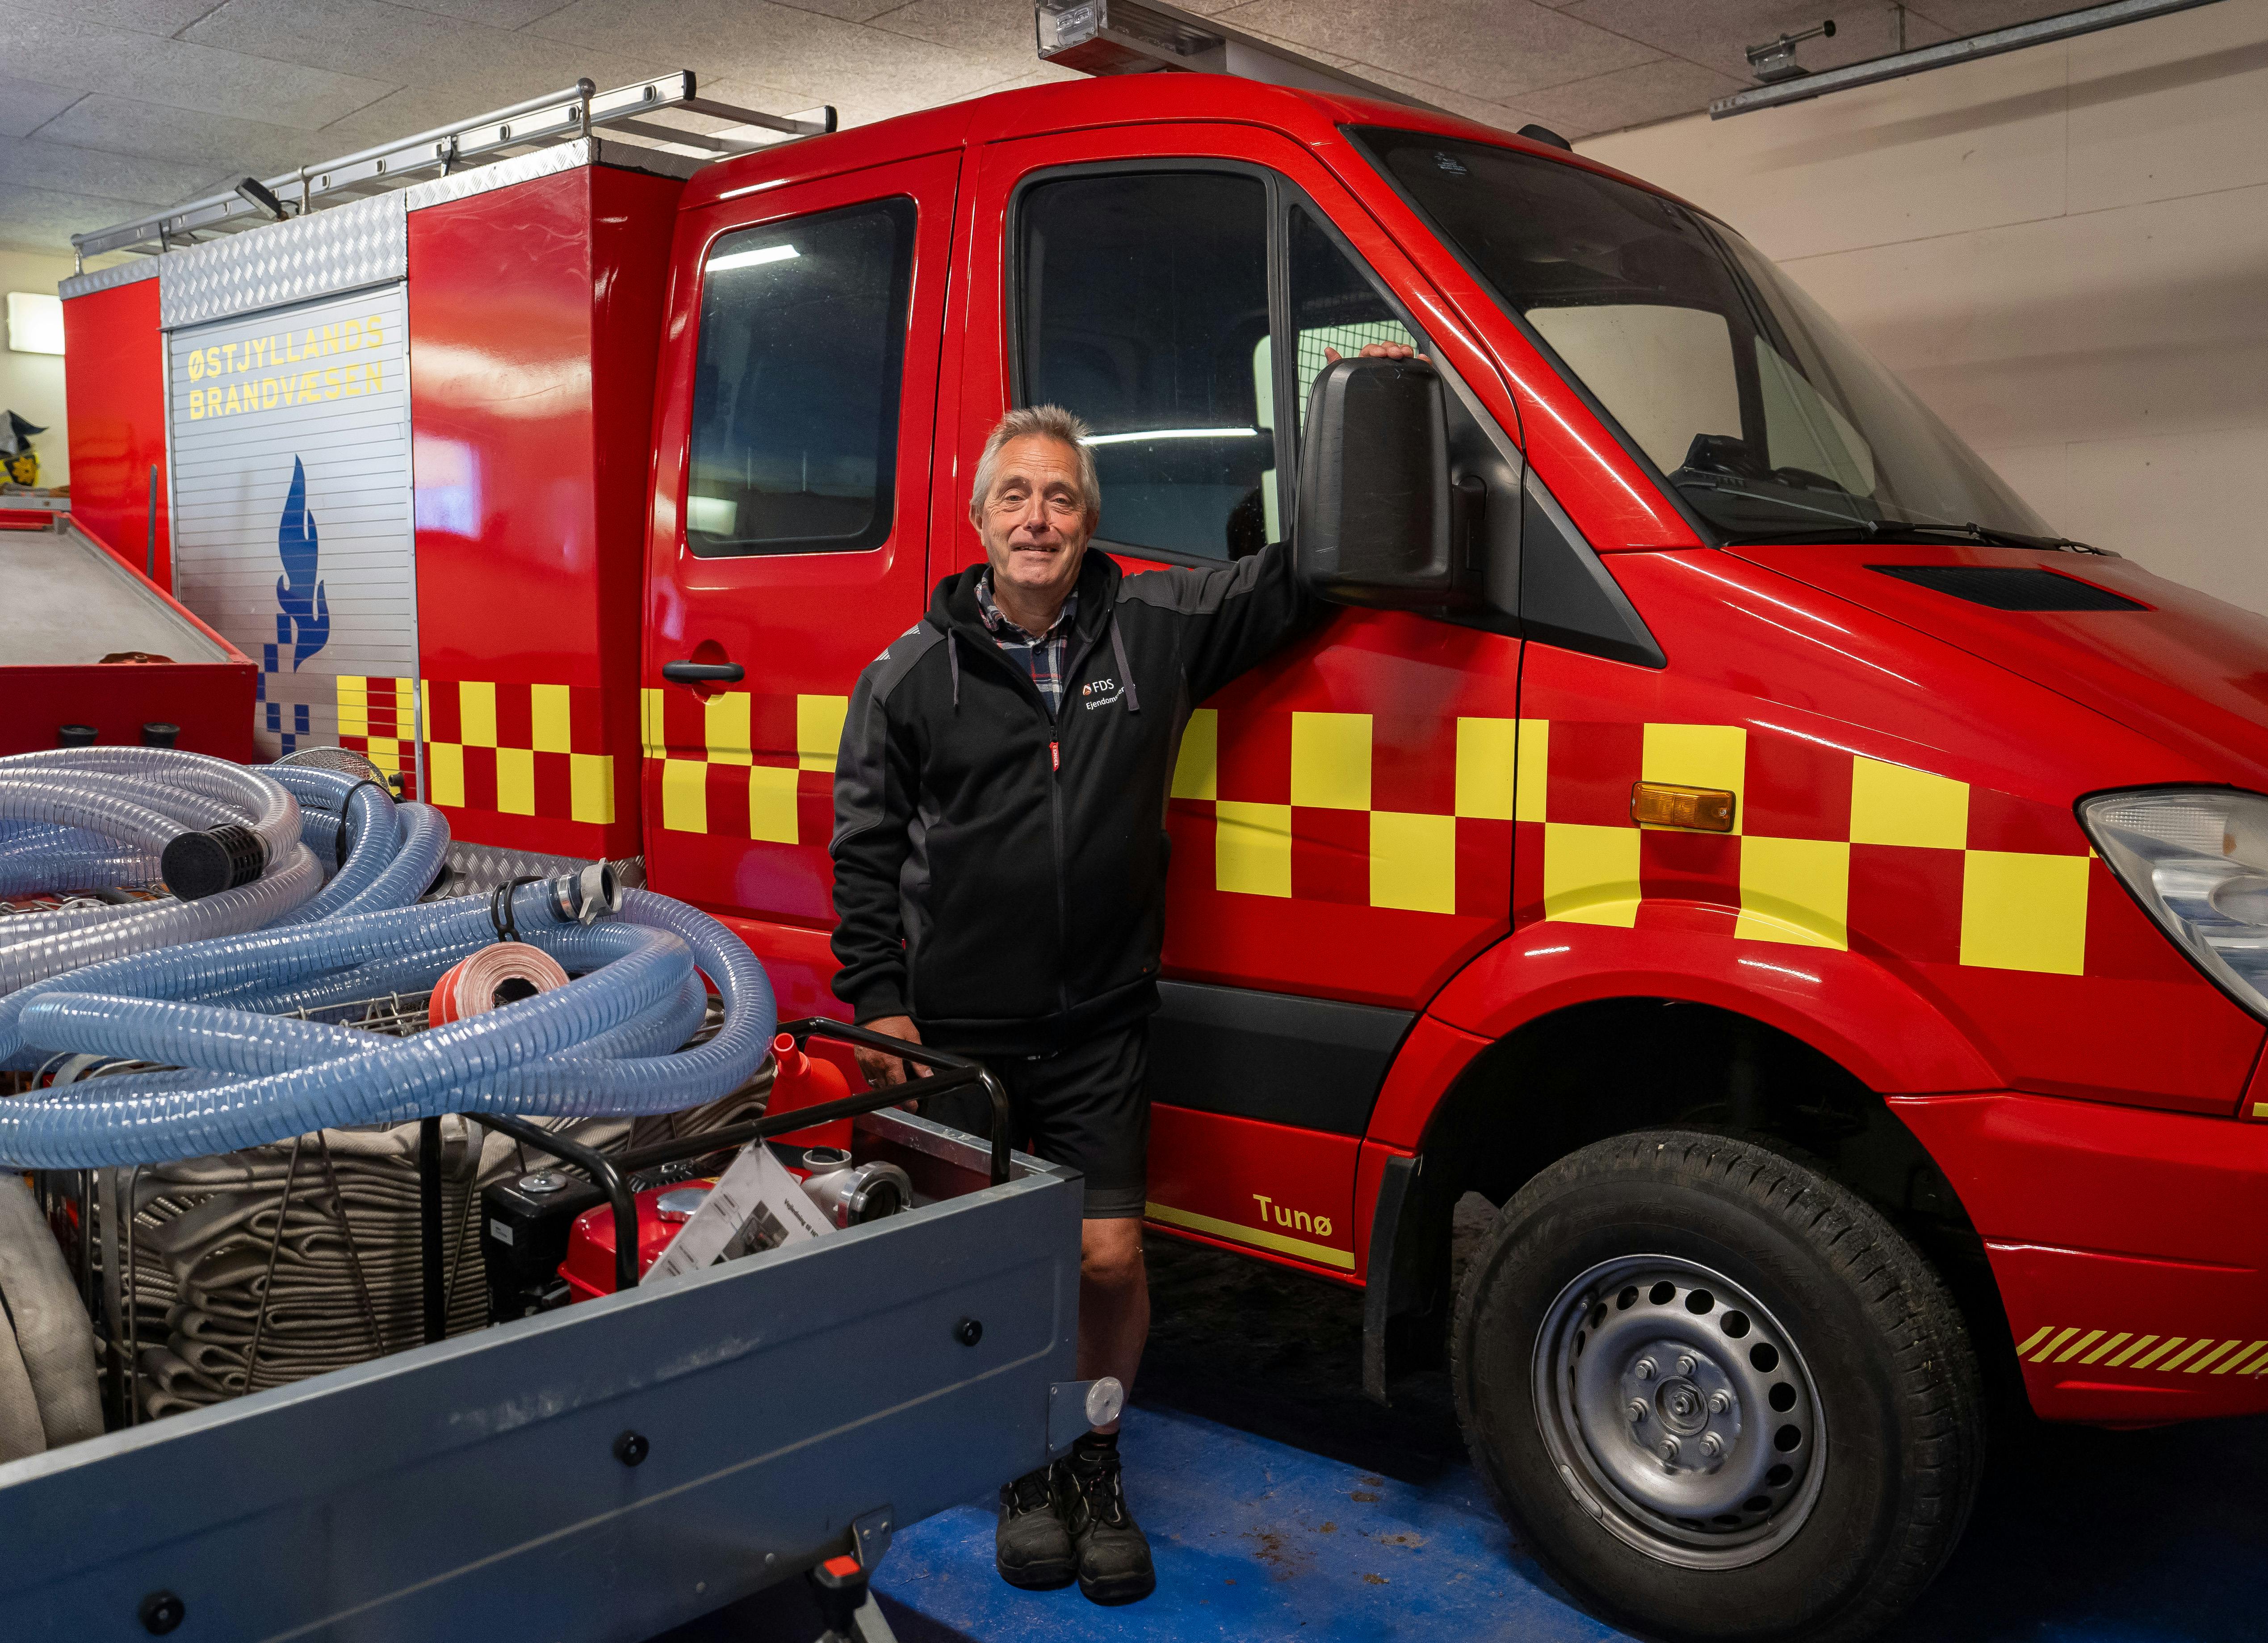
{"x": 111, "y": 109}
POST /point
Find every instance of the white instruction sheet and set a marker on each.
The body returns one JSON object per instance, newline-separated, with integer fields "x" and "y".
{"x": 755, "y": 1205}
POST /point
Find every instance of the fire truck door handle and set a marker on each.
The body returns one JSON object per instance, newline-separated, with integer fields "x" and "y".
{"x": 703, "y": 672}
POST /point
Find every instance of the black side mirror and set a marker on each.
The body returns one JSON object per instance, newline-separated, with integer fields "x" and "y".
{"x": 1379, "y": 522}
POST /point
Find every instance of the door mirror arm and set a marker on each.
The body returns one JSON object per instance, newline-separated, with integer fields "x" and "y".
{"x": 1469, "y": 495}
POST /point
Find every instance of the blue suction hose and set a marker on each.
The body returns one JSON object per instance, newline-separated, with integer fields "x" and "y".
{"x": 226, "y": 839}
{"x": 240, "y": 1072}
{"x": 37, "y": 855}
{"x": 395, "y": 851}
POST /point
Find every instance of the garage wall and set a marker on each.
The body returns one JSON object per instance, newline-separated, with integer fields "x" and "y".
{"x": 2064, "y": 250}
{"x": 34, "y": 383}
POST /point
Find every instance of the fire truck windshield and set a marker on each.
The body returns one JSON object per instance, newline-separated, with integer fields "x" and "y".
{"x": 1734, "y": 386}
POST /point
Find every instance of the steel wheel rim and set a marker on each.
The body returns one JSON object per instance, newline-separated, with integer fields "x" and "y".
{"x": 1679, "y": 1412}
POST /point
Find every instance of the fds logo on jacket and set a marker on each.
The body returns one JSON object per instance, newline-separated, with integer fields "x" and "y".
{"x": 1099, "y": 693}
{"x": 303, "y": 611}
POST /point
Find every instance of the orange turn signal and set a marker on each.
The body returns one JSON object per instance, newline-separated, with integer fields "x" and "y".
{"x": 1704, "y": 809}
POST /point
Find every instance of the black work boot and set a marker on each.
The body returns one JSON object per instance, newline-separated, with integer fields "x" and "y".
{"x": 1031, "y": 1547}
{"x": 1114, "y": 1556}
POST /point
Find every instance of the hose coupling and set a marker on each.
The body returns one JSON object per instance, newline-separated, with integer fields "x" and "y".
{"x": 584, "y": 897}
{"x": 225, "y": 857}
{"x": 851, "y": 1196}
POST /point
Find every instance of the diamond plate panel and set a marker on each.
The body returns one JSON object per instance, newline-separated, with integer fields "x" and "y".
{"x": 343, "y": 248}
{"x": 103, "y": 279}
{"x": 547, "y": 163}
{"x": 473, "y": 180}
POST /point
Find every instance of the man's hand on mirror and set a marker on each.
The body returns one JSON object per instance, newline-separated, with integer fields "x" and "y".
{"x": 1377, "y": 350}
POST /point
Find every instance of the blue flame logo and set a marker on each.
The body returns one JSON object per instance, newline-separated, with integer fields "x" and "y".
{"x": 303, "y": 619}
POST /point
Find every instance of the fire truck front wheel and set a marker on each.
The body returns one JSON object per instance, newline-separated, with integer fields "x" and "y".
{"x": 1716, "y": 1394}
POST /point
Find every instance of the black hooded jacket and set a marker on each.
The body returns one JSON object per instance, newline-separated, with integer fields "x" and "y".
{"x": 999, "y": 871}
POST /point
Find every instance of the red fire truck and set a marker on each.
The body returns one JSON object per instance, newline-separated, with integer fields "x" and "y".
{"x": 1721, "y": 824}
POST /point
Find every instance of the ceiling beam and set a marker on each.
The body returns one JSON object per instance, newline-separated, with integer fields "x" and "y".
{"x": 1946, "y": 53}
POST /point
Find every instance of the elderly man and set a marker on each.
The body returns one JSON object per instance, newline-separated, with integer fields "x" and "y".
{"x": 1000, "y": 877}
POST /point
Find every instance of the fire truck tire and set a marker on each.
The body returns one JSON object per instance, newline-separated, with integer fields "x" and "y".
{"x": 1716, "y": 1395}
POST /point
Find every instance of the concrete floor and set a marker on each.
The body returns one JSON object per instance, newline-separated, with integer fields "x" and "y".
{"x": 1281, "y": 1503}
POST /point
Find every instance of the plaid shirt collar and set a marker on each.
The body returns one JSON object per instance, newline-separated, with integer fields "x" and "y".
{"x": 1043, "y": 656}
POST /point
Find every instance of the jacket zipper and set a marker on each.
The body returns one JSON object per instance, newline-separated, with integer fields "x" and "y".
{"x": 1063, "y": 914}
{"x": 1055, "y": 813}
{"x": 1054, "y": 817}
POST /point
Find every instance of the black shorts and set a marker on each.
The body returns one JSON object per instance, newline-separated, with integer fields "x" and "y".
{"x": 1084, "y": 1108}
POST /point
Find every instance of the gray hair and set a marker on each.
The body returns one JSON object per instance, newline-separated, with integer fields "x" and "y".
{"x": 1048, "y": 422}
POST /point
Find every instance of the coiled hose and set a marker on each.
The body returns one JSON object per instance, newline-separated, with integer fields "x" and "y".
{"x": 226, "y": 839}
{"x": 598, "y": 1045}
{"x": 48, "y": 1395}
{"x": 243, "y": 1073}
{"x": 37, "y": 857}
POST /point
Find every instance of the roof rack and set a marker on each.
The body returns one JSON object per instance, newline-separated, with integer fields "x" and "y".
{"x": 1145, "y": 37}
{"x": 560, "y": 116}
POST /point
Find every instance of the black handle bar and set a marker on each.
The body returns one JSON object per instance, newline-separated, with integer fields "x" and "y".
{"x": 611, "y": 1175}
{"x": 604, "y": 1173}
{"x": 955, "y": 1072}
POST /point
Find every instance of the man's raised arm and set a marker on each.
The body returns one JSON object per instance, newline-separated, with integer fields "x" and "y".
{"x": 1236, "y": 615}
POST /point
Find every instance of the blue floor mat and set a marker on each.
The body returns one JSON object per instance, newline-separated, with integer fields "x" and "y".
{"x": 1254, "y": 1539}
{"x": 2082, "y": 1537}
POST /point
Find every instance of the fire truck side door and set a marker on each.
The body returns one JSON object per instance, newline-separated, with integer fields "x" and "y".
{"x": 1341, "y": 817}
{"x": 789, "y": 529}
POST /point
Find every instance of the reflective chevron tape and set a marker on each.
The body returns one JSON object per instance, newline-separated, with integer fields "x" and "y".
{"x": 2165, "y": 1354}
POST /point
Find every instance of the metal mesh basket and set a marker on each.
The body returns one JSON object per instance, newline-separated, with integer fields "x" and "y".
{"x": 48, "y": 902}
{"x": 347, "y": 762}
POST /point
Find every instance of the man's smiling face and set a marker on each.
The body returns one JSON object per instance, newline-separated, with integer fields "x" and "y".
{"x": 1035, "y": 521}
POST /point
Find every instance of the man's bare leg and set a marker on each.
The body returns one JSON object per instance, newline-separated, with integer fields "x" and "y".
{"x": 1114, "y": 1301}
{"x": 1112, "y": 1553}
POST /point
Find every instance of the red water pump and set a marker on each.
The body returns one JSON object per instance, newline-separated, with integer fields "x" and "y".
{"x": 801, "y": 1081}
{"x": 589, "y": 1268}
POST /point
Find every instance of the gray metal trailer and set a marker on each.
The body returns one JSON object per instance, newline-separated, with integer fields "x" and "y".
{"x": 603, "y": 1471}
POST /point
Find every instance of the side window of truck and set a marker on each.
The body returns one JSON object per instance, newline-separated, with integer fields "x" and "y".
{"x": 1336, "y": 308}
{"x": 1143, "y": 297}
{"x": 1144, "y": 304}
{"x": 795, "y": 391}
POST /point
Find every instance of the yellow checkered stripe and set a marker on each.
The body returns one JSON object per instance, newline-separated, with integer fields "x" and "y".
{"x": 2019, "y": 911}
{"x": 374, "y": 719}
{"x": 474, "y": 756}
{"x": 773, "y": 815}
{"x": 1411, "y": 854}
{"x": 2162, "y": 1354}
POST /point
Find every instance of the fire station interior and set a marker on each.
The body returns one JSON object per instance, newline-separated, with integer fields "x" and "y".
{"x": 1678, "y": 754}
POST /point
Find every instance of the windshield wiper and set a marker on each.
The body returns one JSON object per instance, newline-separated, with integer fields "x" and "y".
{"x": 1896, "y": 530}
